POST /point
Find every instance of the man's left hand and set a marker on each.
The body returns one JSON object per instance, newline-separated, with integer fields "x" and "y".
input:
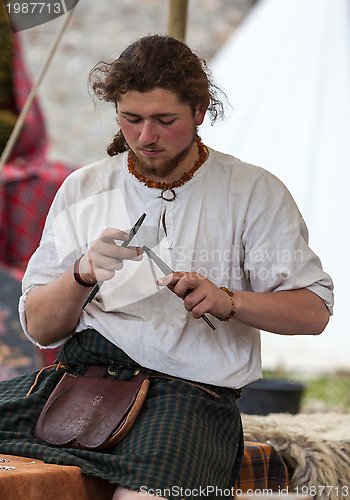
{"x": 200, "y": 295}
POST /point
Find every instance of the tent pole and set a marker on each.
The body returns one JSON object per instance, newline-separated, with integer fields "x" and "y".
{"x": 177, "y": 19}
{"x": 20, "y": 120}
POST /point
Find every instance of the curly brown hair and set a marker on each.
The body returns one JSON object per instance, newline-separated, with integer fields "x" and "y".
{"x": 156, "y": 61}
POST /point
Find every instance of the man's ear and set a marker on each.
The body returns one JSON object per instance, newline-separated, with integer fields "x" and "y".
{"x": 200, "y": 113}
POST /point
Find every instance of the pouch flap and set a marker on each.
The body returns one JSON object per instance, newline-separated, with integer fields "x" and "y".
{"x": 84, "y": 411}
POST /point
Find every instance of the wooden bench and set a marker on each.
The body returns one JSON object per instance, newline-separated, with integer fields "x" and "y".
{"x": 32, "y": 479}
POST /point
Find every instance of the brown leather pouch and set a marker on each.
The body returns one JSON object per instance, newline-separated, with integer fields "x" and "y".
{"x": 89, "y": 411}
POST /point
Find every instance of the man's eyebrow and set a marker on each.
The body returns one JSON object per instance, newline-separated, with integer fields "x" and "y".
{"x": 155, "y": 115}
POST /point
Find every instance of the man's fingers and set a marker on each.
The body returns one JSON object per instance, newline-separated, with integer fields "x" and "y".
{"x": 110, "y": 234}
{"x": 198, "y": 293}
{"x": 175, "y": 283}
{"x": 182, "y": 283}
{"x": 167, "y": 280}
{"x": 112, "y": 258}
{"x": 122, "y": 253}
{"x": 106, "y": 256}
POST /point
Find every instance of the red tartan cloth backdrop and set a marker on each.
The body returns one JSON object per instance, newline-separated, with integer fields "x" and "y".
{"x": 28, "y": 182}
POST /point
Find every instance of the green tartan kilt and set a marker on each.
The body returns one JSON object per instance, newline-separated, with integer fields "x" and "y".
{"x": 185, "y": 443}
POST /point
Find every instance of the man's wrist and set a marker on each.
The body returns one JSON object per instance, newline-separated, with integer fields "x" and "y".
{"x": 81, "y": 280}
{"x": 233, "y": 304}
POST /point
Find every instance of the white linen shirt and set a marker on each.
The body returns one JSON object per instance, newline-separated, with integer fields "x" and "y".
{"x": 234, "y": 223}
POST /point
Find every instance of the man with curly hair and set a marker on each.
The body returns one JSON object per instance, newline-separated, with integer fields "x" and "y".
{"x": 238, "y": 245}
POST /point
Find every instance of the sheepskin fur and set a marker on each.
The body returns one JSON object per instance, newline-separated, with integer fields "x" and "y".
{"x": 315, "y": 448}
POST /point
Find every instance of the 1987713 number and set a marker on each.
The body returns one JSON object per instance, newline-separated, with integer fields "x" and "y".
{"x": 34, "y": 8}
{"x": 323, "y": 490}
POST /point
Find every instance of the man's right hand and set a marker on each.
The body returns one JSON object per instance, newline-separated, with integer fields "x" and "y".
{"x": 106, "y": 256}
{"x": 53, "y": 310}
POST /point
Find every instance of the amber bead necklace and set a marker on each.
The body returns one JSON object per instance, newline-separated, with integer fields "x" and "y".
{"x": 164, "y": 186}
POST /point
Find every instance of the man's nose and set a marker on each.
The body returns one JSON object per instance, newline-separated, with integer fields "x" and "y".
{"x": 148, "y": 134}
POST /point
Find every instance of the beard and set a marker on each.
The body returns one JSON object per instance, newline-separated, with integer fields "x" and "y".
{"x": 165, "y": 168}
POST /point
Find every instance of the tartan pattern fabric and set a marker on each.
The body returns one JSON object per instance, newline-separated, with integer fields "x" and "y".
{"x": 25, "y": 198}
{"x": 183, "y": 436}
{"x": 32, "y": 143}
{"x": 28, "y": 181}
{"x": 262, "y": 470}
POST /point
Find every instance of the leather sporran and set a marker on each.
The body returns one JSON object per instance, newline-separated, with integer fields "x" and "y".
{"x": 91, "y": 412}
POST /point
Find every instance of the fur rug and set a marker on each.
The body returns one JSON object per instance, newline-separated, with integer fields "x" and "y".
{"x": 315, "y": 448}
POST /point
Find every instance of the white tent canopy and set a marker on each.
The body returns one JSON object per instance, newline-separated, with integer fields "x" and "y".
{"x": 286, "y": 72}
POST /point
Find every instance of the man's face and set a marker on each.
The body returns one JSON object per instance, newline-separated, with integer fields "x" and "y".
{"x": 160, "y": 131}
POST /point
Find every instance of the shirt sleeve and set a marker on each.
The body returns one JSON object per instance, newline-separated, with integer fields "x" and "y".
{"x": 275, "y": 240}
{"x": 57, "y": 251}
